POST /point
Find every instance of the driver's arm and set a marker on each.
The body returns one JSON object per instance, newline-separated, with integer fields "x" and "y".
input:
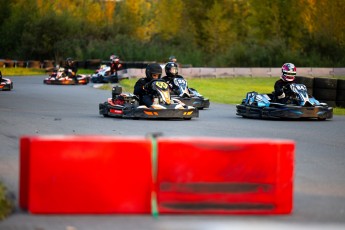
{"x": 139, "y": 87}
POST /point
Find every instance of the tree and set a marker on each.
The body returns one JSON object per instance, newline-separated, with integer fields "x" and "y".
{"x": 169, "y": 23}
{"x": 217, "y": 29}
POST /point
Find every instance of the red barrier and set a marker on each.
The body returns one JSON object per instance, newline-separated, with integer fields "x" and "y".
{"x": 85, "y": 174}
{"x": 204, "y": 175}
{"x": 97, "y": 174}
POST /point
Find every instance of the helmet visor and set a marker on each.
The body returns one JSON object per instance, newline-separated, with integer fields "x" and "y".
{"x": 155, "y": 75}
{"x": 173, "y": 70}
{"x": 290, "y": 77}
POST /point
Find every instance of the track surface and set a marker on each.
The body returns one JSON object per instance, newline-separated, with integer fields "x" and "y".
{"x": 34, "y": 108}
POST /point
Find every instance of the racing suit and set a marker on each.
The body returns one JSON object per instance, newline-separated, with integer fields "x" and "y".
{"x": 114, "y": 67}
{"x": 282, "y": 90}
{"x": 71, "y": 71}
{"x": 170, "y": 81}
{"x": 141, "y": 89}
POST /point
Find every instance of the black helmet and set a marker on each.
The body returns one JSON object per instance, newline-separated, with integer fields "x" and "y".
{"x": 153, "y": 68}
{"x": 114, "y": 58}
{"x": 171, "y": 69}
{"x": 172, "y": 59}
{"x": 69, "y": 61}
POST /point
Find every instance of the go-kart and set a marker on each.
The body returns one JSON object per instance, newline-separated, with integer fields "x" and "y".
{"x": 59, "y": 77}
{"x": 298, "y": 105}
{"x": 126, "y": 105}
{"x": 102, "y": 75}
{"x": 6, "y": 84}
{"x": 188, "y": 96}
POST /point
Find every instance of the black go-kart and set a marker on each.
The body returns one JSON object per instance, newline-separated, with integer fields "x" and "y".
{"x": 298, "y": 105}
{"x": 188, "y": 96}
{"x": 59, "y": 77}
{"x": 126, "y": 105}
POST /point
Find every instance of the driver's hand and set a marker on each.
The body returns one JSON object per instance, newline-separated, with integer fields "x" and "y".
{"x": 281, "y": 96}
{"x": 147, "y": 86}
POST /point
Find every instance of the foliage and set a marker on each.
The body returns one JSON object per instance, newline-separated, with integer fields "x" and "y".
{"x": 217, "y": 33}
{"x": 19, "y": 71}
{"x": 6, "y": 205}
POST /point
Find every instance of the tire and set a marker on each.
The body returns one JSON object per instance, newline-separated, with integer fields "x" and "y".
{"x": 311, "y": 92}
{"x": 34, "y": 64}
{"x": 21, "y": 64}
{"x": 340, "y": 94}
{"x": 340, "y": 104}
{"x": 341, "y": 84}
{"x": 325, "y": 83}
{"x": 48, "y": 64}
{"x": 307, "y": 81}
{"x": 93, "y": 63}
{"x": 325, "y": 94}
{"x": 329, "y": 103}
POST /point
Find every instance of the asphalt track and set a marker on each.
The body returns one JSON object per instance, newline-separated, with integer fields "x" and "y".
{"x": 33, "y": 108}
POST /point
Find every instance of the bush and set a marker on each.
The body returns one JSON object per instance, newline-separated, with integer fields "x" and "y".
{"x": 6, "y": 205}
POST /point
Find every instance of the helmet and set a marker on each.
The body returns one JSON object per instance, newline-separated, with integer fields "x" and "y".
{"x": 114, "y": 58}
{"x": 69, "y": 61}
{"x": 172, "y": 59}
{"x": 171, "y": 69}
{"x": 288, "y": 72}
{"x": 153, "y": 68}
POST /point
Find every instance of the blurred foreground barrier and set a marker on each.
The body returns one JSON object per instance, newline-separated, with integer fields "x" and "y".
{"x": 138, "y": 175}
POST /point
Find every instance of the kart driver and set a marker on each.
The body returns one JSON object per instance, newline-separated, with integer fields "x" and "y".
{"x": 281, "y": 87}
{"x": 171, "y": 71}
{"x": 115, "y": 64}
{"x": 0, "y": 76}
{"x": 172, "y": 59}
{"x": 70, "y": 69}
{"x": 142, "y": 86}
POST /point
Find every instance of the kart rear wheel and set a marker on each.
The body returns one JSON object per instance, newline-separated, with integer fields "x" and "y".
{"x": 187, "y": 118}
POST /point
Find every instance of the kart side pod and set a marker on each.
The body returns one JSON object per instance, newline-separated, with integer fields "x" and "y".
{"x": 155, "y": 175}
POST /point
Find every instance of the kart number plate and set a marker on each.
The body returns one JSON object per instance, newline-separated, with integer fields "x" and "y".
{"x": 162, "y": 85}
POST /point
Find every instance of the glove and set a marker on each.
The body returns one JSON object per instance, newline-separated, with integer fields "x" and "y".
{"x": 147, "y": 86}
{"x": 281, "y": 96}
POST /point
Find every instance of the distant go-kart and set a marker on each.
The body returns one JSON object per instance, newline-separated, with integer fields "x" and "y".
{"x": 6, "y": 84}
{"x": 103, "y": 75}
{"x": 126, "y": 105}
{"x": 298, "y": 105}
{"x": 59, "y": 77}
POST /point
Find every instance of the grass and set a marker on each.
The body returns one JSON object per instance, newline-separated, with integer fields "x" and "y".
{"x": 21, "y": 71}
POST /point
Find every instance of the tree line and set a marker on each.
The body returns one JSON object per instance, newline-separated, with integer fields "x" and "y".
{"x": 218, "y": 33}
